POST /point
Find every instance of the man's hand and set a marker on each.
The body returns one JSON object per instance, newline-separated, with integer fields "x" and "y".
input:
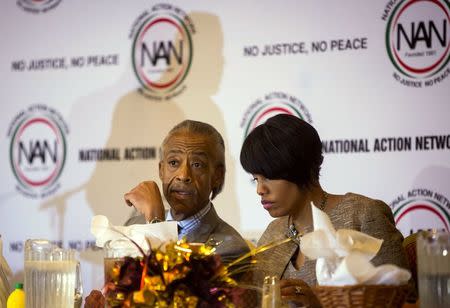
{"x": 147, "y": 200}
{"x": 94, "y": 300}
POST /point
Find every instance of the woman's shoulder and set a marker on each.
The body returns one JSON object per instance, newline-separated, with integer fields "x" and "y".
{"x": 275, "y": 230}
{"x": 353, "y": 204}
{"x": 362, "y": 202}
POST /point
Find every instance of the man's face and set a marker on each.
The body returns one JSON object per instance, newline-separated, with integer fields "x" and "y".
{"x": 188, "y": 171}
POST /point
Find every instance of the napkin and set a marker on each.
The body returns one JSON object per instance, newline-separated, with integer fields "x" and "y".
{"x": 343, "y": 256}
{"x": 157, "y": 233}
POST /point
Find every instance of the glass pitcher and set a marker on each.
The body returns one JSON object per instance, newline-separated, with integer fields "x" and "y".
{"x": 50, "y": 275}
{"x": 433, "y": 262}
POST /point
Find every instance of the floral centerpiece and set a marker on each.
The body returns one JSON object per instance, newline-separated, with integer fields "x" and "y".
{"x": 178, "y": 274}
{"x": 175, "y": 273}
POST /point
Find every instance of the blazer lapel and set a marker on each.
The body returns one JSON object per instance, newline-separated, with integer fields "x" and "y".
{"x": 205, "y": 227}
{"x": 284, "y": 254}
{"x": 274, "y": 261}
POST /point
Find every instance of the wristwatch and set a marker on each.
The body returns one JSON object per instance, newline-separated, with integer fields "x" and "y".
{"x": 155, "y": 220}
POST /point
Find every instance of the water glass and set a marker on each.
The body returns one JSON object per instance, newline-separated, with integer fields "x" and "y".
{"x": 114, "y": 253}
{"x": 78, "y": 297}
{"x": 271, "y": 295}
{"x": 50, "y": 275}
{"x": 433, "y": 266}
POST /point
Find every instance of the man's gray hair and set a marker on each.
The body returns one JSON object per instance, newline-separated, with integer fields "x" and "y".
{"x": 203, "y": 129}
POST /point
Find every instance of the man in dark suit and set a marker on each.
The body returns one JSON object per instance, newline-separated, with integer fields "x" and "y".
{"x": 192, "y": 171}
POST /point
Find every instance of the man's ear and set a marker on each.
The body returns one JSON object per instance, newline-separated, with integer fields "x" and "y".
{"x": 160, "y": 170}
{"x": 218, "y": 180}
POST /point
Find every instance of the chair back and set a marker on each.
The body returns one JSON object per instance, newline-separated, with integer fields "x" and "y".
{"x": 409, "y": 244}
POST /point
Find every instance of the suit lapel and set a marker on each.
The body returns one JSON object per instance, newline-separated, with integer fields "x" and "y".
{"x": 284, "y": 255}
{"x": 275, "y": 260}
{"x": 204, "y": 229}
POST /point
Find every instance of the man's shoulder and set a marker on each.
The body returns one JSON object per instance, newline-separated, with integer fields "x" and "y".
{"x": 230, "y": 243}
{"x": 228, "y": 232}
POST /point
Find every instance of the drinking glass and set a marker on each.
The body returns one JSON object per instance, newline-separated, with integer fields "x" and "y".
{"x": 114, "y": 253}
{"x": 50, "y": 275}
{"x": 78, "y": 297}
{"x": 433, "y": 266}
{"x": 271, "y": 296}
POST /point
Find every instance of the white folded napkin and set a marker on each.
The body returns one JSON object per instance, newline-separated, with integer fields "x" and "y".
{"x": 157, "y": 233}
{"x": 343, "y": 256}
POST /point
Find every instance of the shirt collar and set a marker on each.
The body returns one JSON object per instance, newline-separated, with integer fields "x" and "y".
{"x": 190, "y": 223}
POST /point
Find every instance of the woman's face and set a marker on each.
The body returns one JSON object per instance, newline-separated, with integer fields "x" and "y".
{"x": 279, "y": 197}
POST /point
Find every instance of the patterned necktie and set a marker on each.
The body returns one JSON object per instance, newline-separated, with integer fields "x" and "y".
{"x": 180, "y": 231}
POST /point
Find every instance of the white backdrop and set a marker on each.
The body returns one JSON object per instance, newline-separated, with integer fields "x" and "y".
{"x": 79, "y": 92}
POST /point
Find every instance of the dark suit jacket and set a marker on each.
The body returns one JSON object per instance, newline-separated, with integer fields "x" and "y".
{"x": 211, "y": 226}
{"x": 355, "y": 212}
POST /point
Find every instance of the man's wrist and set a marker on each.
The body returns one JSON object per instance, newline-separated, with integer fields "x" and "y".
{"x": 155, "y": 220}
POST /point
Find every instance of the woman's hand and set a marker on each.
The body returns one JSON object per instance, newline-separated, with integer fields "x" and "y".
{"x": 298, "y": 292}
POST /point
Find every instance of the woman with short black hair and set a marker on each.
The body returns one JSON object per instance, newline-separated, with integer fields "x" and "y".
{"x": 284, "y": 156}
{"x": 292, "y": 147}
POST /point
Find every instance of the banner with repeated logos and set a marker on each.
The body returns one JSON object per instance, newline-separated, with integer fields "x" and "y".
{"x": 90, "y": 88}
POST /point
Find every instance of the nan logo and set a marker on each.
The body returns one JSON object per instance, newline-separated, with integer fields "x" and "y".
{"x": 162, "y": 51}
{"x": 418, "y": 41}
{"x": 421, "y": 209}
{"x": 37, "y": 150}
{"x": 37, "y": 6}
{"x": 272, "y": 104}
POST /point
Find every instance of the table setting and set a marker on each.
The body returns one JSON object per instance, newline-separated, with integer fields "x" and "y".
{"x": 147, "y": 266}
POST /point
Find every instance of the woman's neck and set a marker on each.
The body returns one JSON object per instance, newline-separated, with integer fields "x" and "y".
{"x": 302, "y": 217}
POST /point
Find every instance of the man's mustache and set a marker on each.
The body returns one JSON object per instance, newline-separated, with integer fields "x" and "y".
{"x": 181, "y": 188}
